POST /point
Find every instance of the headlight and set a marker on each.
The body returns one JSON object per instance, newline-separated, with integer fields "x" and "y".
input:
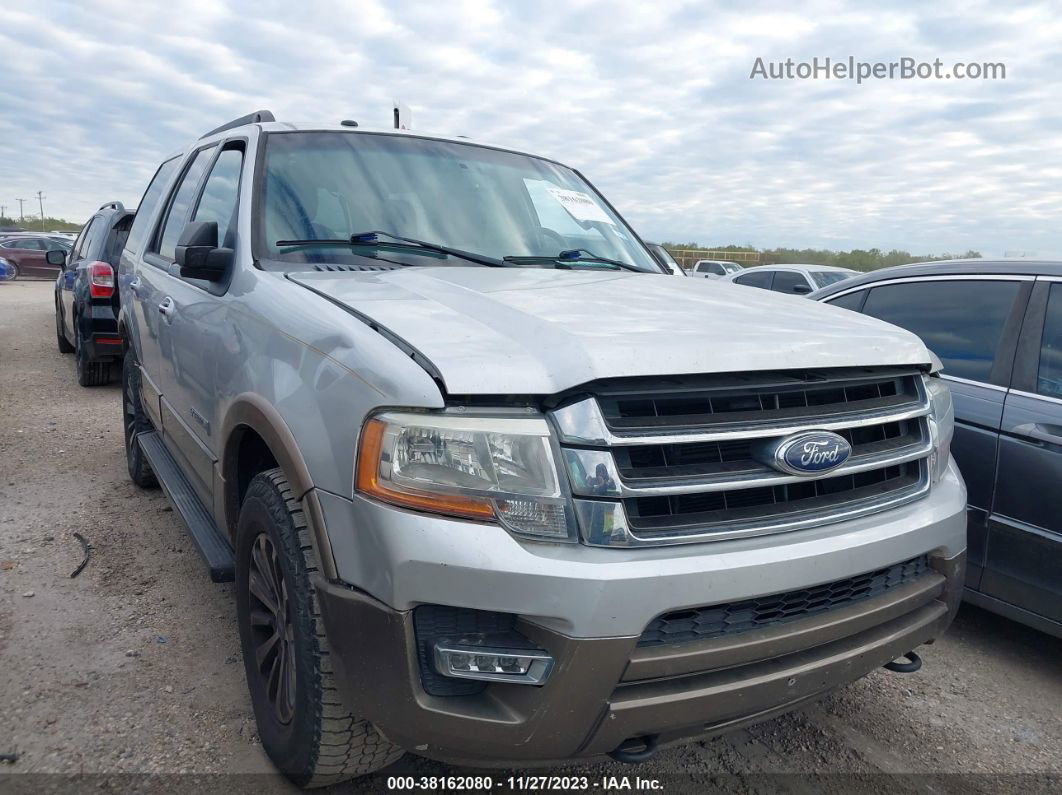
{"x": 486, "y": 468}
{"x": 941, "y": 425}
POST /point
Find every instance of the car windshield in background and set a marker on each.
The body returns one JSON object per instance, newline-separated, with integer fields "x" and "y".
{"x": 826, "y": 278}
{"x": 731, "y": 267}
{"x": 322, "y": 186}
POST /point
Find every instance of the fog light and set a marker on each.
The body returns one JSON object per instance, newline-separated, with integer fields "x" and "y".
{"x": 518, "y": 666}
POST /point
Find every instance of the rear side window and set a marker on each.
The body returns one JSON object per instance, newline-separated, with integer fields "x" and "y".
{"x": 181, "y": 207}
{"x": 755, "y": 279}
{"x": 790, "y": 282}
{"x": 1049, "y": 377}
{"x": 220, "y": 193}
{"x": 960, "y": 321}
{"x": 851, "y": 301}
{"x": 148, "y": 204}
{"x": 89, "y": 239}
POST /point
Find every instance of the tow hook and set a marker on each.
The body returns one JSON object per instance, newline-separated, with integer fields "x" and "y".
{"x": 905, "y": 667}
{"x": 633, "y": 757}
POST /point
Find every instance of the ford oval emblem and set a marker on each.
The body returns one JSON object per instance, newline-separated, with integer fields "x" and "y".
{"x": 809, "y": 453}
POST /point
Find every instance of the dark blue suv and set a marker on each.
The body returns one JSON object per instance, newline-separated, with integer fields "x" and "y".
{"x": 86, "y": 294}
{"x": 997, "y": 328}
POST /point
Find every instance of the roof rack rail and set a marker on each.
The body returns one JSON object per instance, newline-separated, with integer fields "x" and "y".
{"x": 250, "y": 118}
{"x": 116, "y": 205}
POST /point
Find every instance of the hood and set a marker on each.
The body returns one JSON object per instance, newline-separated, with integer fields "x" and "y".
{"x": 537, "y": 331}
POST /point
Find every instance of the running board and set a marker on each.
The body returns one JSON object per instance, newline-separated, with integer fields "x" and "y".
{"x": 212, "y": 543}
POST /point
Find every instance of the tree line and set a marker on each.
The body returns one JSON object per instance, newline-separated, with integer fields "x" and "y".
{"x": 857, "y": 259}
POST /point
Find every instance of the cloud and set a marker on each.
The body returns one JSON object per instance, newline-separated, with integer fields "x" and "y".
{"x": 653, "y": 102}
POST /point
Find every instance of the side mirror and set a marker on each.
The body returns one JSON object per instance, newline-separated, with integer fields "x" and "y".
{"x": 801, "y": 289}
{"x": 197, "y": 252}
{"x": 55, "y": 256}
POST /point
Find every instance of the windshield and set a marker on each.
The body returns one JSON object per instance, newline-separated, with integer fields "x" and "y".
{"x": 731, "y": 267}
{"x": 330, "y": 185}
{"x": 825, "y": 278}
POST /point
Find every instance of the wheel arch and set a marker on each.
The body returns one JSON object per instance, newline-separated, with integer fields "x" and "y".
{"x": 253, "y": 432}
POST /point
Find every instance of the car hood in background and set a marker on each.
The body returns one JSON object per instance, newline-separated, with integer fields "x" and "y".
{"x": 541, "y": 331}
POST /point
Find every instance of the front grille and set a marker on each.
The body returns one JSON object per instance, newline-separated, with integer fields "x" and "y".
{"x": 709, "y": 401}
{"x": 739, "y": 505}
{"x": 703, "y": 623}
{"x": 659, "y": 461}
{"x": 681, "y": 459}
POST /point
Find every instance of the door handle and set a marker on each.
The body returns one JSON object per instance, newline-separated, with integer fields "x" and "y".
{"x": 167, "y": 307}
{"x": 1041, "y": 432}
{"x": 134, "y": 285}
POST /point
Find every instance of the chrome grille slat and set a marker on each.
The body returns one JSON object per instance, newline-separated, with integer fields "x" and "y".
{"x": 707, "y": 483}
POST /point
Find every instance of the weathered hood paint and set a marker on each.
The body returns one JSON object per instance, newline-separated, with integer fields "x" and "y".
{"x": 532, "y": 331}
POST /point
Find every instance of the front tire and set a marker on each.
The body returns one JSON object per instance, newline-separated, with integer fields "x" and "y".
{"x": 135, "y": 422}
{"x": 305, "y": 729}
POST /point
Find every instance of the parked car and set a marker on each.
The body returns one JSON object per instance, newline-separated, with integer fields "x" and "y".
{"x": 663, "y": 256}
{"x": 87, "y": 298}
{"x": 997, "y": 328}
{"x": 27, "y": 254}
{"x": 794, "y": 279}
{"x": 714, "y": 268}
{"x": 486, "y": 499}
{"x": 7, "y": 270}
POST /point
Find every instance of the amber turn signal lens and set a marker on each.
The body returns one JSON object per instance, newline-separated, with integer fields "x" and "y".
{"x": 368, "y": 482}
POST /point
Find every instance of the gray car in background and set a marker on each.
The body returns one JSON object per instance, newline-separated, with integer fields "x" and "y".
{"x": 997, "y": 328}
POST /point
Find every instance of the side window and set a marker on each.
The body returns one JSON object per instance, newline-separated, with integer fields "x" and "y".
{"x": 760, "y": 279}
{"x": 790, "y": 282}
{"x": 75, "y": 250}
{"x": 88, "y": 239}
{"x": 148, "y": 203}
{"x": 701, "y": 267}
{"x": 960, "y": 321}
{"x": 851, "y": 301}
{"x": 716, "y": 268}
{"x": 1049, "y": 376}
{"x": 220, "y": 195}
{"x": 180, "y": 210}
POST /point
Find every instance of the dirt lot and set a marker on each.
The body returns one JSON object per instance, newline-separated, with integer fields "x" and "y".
{"x": 134, "y": 666}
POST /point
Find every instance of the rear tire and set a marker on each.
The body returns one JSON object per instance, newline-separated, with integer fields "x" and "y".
{"x": 135, "y": 422}
{"x": 60, "y": 337}
{"x": 304, "y": 726}
{"x": 89, "y": 373}
{"x": 14, "y": 272}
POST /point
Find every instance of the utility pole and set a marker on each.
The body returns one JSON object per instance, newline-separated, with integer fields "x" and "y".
{"x": 21, "y": 214}
{"x": 3, "y": 209}
{"x": 40, "y": 198}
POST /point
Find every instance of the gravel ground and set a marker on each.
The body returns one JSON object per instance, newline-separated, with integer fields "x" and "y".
{"x": 134, "y": 666}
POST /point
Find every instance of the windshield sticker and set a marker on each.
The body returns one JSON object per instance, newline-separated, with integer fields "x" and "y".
{"x": 580, "y": 206}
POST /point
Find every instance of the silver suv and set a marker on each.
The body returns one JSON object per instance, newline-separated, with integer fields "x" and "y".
{"x": 489, "y": 487}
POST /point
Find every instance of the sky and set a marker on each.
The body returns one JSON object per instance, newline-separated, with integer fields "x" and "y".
{"x": 654, "y": 102}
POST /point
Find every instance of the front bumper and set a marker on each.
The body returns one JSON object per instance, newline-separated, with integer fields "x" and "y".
{"x": 587, "y": 608}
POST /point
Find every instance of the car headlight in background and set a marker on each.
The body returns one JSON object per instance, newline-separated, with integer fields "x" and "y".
{"x": 487, "y": 468}
{"x": 941, "y": 425}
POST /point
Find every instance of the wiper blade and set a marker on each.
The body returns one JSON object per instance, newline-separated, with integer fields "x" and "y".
{"x": 372, "y": 240}
{"x": 574, "y": 255}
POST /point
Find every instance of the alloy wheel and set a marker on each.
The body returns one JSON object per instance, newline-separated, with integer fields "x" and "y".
{"x": 273, "y": 635}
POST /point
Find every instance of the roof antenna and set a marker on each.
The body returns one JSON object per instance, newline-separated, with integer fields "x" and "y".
{"x": 403, "y": 116}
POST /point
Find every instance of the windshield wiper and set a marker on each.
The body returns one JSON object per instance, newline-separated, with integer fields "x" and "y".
{"x": 573, "y": 255}
{"x": 372, "y": 240}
